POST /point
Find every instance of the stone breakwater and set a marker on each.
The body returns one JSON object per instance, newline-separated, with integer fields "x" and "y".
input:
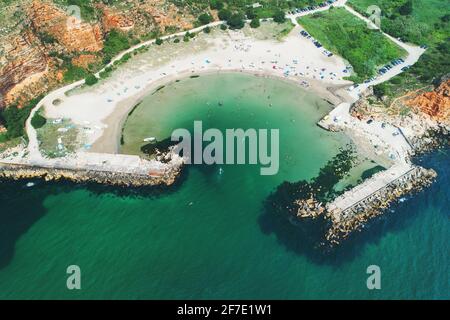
{"x": 342, "y": 222}
{"x": 19, "y": 172}
{"x": 102, "y": 168}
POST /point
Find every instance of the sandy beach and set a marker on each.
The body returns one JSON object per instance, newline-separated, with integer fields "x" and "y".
{"x": 102, "y": 109}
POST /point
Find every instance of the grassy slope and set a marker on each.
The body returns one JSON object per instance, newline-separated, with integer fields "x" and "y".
{"x": 427, "y": 15}
{"x": 343, "y": 33}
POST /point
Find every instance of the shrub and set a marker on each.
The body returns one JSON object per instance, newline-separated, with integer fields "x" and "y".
{"x": 74, "y": 73}
{"x": 250, "y": 13}
{"x": 38, "y": 121}
{"x": 255, "y": 23}
{"x": 216, "y": 4}
{"x": 158, "y": 41}
{"x": 204, "y": 19}
{"x": 223, "y": 27}
{"x": 91, "y": 79}
{"x": 14, "y": 118}
{"x": 279, "y": 16}
{"x": 207, "y": 30}
{"x": 115, "y": 42}
{"x": 236, "y": 21}
{"x": 224, "y": 14}
{"x": 380, "y": 90}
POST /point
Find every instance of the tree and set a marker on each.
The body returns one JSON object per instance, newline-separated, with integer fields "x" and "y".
{"x": 380, "y": 90}
{"x": 236, "y": 21}
{"x": 204, "y": 18}
{"x": 224, "y": 14}
{"x": 250, "y": 13}
{"x": 406, "y": 9}
{"x": 207, "y": 30}
{"x": 38, "y": 121}
{"x": 91, "y": 79}
{"x": 216, "y": 4}
{"x": 255, "y": 23}
{"x": 158, "y": 41}
{"x": 279, "y": 16}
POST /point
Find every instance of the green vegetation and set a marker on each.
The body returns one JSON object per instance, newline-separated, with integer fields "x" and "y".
{"x": 216, "y": 4}
{"x": 14, "y": 118}
{"x": 236, "y": 21}
{"x": 204, "y": 18}
{"x": 343, "y": 33}
{"x": 91, "y": 79}
{"x": 251, "y": 14}
{"x": 159, "y": 41}
{"x": 46, "y": 38}
{"x": 267, "y": 9}
{"x": 422, "y": 22}
{"x": 224, "y": 14}
{"x": 255, "y": 23}
{"x": 74, "y": 73}
{"x": 38, "y": 121}
{"x": 115, "y": 42}
{"x": 279, "y": 16}
{"x": 287, "y": 27}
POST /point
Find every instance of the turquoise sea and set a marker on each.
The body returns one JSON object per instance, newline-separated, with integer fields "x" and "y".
{"x": 209, "y": 236}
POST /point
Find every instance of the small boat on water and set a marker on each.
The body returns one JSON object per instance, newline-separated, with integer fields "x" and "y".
{"x": 30, "y": 184}
{"x": 151, "y": 139}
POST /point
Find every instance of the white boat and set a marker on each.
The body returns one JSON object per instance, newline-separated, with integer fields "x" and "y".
{"x": 151, "y": 139}
{"x": 30, "y": 184}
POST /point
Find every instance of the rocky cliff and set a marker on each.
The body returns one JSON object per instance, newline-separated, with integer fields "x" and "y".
{"x": 39, "y": 38}
{"x": 23, "y": 58}
{"x": 69, "y": 31}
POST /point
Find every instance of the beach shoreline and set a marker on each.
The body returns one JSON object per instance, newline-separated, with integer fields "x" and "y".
{"x": 109, "y": 141}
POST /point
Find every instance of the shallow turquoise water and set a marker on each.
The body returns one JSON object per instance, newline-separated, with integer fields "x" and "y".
{"x": 209, "y": 236}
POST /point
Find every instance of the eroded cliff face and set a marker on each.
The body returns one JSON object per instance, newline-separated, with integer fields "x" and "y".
{"x": 115, "y": 20}
{"x": 41, "y": 37}
{"x": 23, "y": 58}
{"x": 27, "y": 68}
{"x": 435, "y": 103}
{"x": 68, "y": 30}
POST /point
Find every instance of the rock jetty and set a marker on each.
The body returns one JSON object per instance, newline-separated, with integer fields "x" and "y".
{"x": 354, "y": 217}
